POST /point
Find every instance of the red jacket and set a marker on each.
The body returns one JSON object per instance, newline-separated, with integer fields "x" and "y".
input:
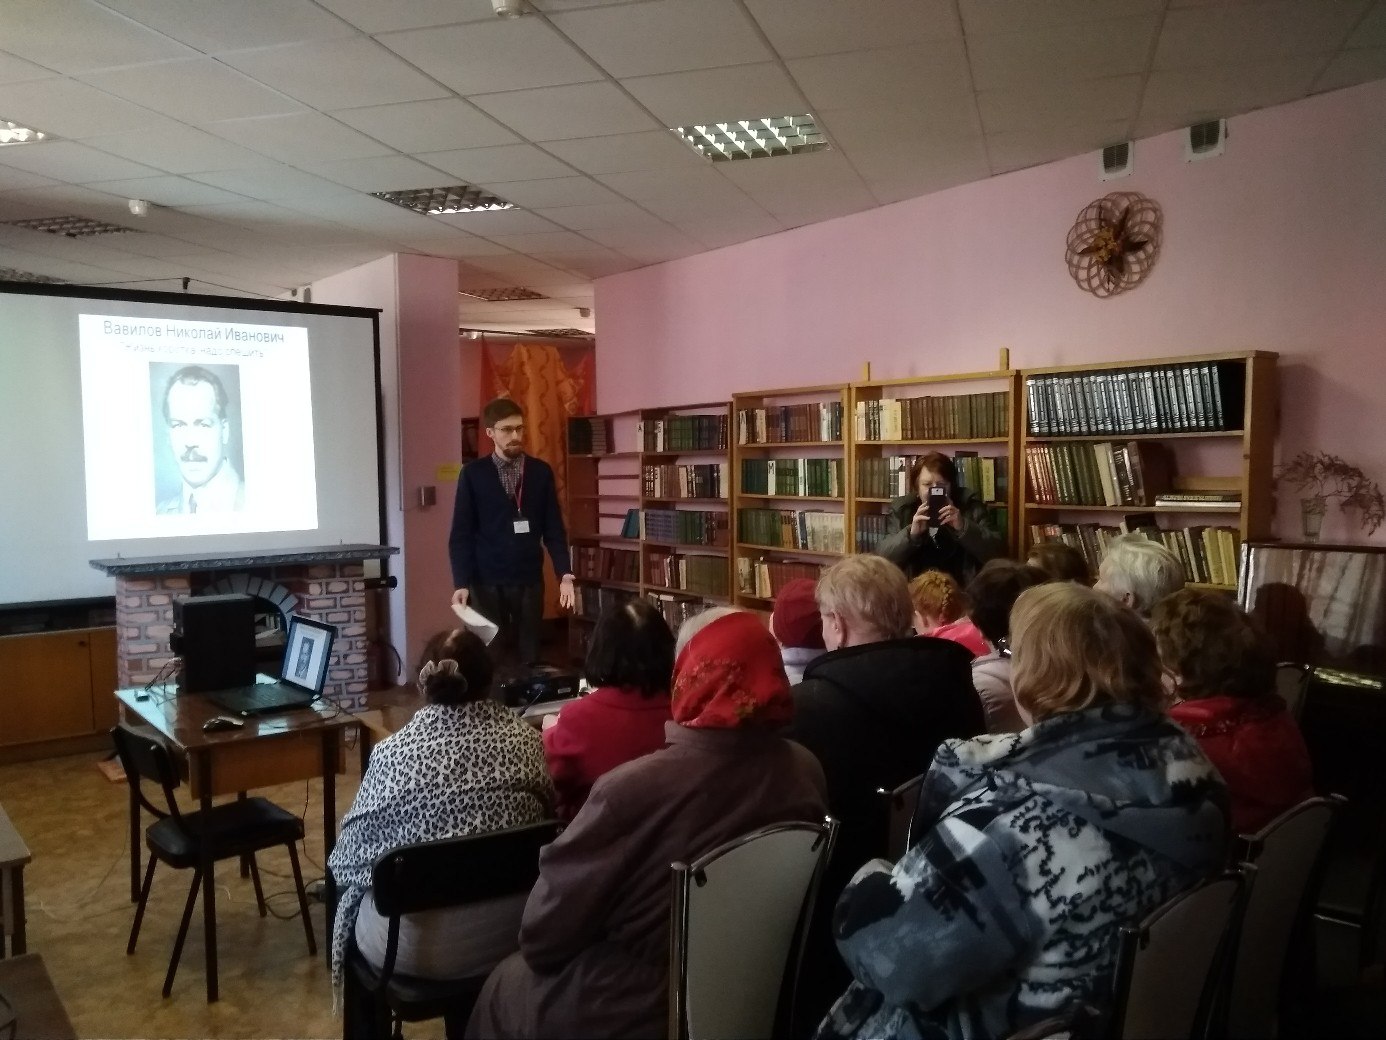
{"x": 597, "y": 733}
{"x": 1257, "y": 747}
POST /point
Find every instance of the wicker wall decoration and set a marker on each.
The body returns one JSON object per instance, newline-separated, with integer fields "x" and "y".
{"x": 1114, "y": 243}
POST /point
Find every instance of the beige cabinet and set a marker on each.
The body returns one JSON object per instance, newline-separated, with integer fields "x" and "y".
{"x": 55, "y": 685}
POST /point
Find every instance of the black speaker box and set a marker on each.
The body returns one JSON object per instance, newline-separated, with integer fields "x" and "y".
{"x": 215, "y": 637}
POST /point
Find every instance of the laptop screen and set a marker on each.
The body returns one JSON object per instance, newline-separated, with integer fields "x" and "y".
{"x": 307, "y": 652}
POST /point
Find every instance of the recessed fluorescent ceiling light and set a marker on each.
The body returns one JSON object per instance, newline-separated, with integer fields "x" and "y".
{"x": 13, "y": 133}
{"x": 72, "y": 227}
{"x": 562, "y": 333}
{"x": 460, "y": 198}
{"x": 754, "y": 138}
{"x": 11, "y": 274}
{"x": 503, "y": 295}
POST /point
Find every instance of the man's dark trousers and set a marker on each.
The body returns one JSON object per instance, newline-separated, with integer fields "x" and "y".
{"x": 519, "y": 611}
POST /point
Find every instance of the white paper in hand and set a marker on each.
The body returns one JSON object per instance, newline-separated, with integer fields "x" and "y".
{"x": 478, "y": 624}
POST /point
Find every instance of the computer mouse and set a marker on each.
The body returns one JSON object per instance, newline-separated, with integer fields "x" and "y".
{"x": 220, "y": 722}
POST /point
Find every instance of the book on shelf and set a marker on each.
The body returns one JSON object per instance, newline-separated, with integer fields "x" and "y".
{"x": 602, "y": 563}
{"x": 1224, "y": 500}
{"x": 700, "y": 480}
{"x": 873, "y": 528}
{"x": 704, "y": 575}
{"x": 763, "y": 579}
{"x": 812, "y": 529}
{"x": 1185, "y": 397}
{"x": 1208, "y": 554}
{"x": 814, "y": 421}
{"x": 676, "y": 609}
{"x": 889, "y": 476}
{"x": 789, "y": 478}
{"x": 684, "y": 433}
{"x": 590, "y": 600}
{"x": 630, "y": 527}
{"x": 690, "y": 526}
{"x": 944, "y": 417}
{"x": 1098, "y": 473}
{"x": 589, "y": 435}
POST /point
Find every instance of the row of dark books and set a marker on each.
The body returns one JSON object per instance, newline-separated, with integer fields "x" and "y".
{"x": 601, "y": 563}
{"x": 815, "y": 421}
{"x": 873, "y": 528}
{"x": 676, "y": 609}
{"x": 705, "y": 575}
{"x": 764, "y": 578}
{"x": 589, "y": 435}
{"x": 1178, "y": 398}
{"x": 952, "y": 417}
{"x": 591, "y": 600}
{"x": 687, "y": 526}
{"x": 685, "y": 433}
{"x": 986, "y": 475}
{"x": 1100, "y": 473}
{"x": 1209, "y": 554}
{"x": 812, "y": 529}
{"x": 791, "y": 477}
{"x": 703, "y": 480}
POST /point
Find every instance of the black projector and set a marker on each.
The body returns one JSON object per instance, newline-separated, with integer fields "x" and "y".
{"x": 539, "y": 687}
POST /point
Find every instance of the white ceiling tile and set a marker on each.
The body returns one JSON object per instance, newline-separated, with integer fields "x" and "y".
{"x": 485, "y": 57}
{"x": 681, "y": 210}
{"x": 458, "y": 245}
{"x": 981, "y": 17}
{"x": 649, "y": 246}
{"x": 562, "y": 113}
{"x": 12, "y": 178}
{"x": 601, "y": 267}
{"x": 1184, "y": 98}
{"x": 374, "y": 16}
{"x": 1370, "y": 32}
{"x": 1023, "y": 148}
{"x": 66, "y": 108}
{"x": 498, "y": 222}
{"x": 799, "y": 28}
{"x": 213, "y": 26}
{"x": 806, "y": 172}
{"x": 275, "y": 181}
{"x": 618, "y": 153}
{"x": 554, "y": 6}
{"x": 70, "y": 161}
{"x": 898, "y": 126}
{"x": 200, "y": 91}
{"x": 1213, "y": 37}
{"x": 167, "y": 191}
{"x": 336, "y": 73}
{"x": 719, "y": 95}
{"x": 521, "y": 270}
{"x": 612, "y": 215}
{"x": 704, "y": 183}
{"x": 1020, "y": 60}
{"x": 72, "y": 36}
{"x": 796, "y": 210}
{"x": 298, "y": 139}
{"x": 1060, "y": 105}
{"x": 1352, "y": 67}
{"x": 918, "y": 74}
{"x": 510, "y": 162}
{"x": 179, "y": 149}
{"x": 382, "y": 173}
{"x": 265, "y": 218}
{"x": 156, "y": 245}
{"x": 428, "y": 126}
{"x": 664, "y": 36}
{"x": 17, "y": 70}
{"x": 548, "y": 242}
{"x": 555, "y": 191}
{"x": 921, "y": 166}
{"x": 370, "y": 214}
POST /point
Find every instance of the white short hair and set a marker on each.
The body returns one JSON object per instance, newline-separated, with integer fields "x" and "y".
{"x": 697, "y": 623}
{"x": 1143, "y": 568}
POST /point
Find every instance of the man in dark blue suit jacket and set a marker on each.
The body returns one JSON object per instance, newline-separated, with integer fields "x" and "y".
{"x": 507, "y": 507}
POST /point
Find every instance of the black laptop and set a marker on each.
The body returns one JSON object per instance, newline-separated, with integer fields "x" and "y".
{"x": 307, "y": 651}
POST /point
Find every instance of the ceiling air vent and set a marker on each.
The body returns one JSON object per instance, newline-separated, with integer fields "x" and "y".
{"x": 562, "y": 333}
{"x": 1117, "y": 160}
{"x": 71, "y": 227}
{"x": 459, "y": 198}
{"x": 503, "y": 295}
{"x": 1206, "y": 140}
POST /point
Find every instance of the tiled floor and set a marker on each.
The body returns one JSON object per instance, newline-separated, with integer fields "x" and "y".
{"x": 79, "y": 912}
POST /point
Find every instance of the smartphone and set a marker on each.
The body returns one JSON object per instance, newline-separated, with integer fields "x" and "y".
{"x": 935, "y": 501}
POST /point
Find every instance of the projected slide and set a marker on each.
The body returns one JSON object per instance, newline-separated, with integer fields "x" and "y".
{"x": 195, "y": 427}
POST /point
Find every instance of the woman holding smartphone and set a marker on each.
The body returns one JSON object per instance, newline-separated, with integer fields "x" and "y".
{"x": 940, "y": 527}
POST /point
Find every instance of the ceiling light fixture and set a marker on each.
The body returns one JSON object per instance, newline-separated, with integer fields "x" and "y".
{"x": 459, "y": 198}
{"x": 503, "y": 295}
{"x": 70, "y": 227}
{"x": 761, "y": 138}
{"x": 13, "y": 274}
{"x": 508, "y": 8}
{"x": 562, "y": 333}
{"x": 13, "y": 133}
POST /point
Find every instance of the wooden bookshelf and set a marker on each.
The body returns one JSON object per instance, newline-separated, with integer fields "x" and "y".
{"x": 968, "y": 414}
{"x": 1209, "y": 419}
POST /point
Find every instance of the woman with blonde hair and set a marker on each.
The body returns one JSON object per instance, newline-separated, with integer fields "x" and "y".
{"x": 1036, "y": 845}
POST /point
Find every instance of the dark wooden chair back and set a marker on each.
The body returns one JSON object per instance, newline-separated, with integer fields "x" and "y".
{"x": 148, "y": 758}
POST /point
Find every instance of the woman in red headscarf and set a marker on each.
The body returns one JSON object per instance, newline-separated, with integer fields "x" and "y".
{"x": 594, "y": 942}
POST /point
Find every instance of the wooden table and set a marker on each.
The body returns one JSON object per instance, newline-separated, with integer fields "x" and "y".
{"x": 278, "y": 748}
{"x": 38, "y": 1013}
{"x": 14, "y": 857}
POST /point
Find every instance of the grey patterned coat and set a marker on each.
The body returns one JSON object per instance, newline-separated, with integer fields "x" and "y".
{"x": 1037, "y": 846}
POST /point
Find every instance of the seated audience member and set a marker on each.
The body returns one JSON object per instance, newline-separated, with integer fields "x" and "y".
{"x": 1036, "y": 846}
{"x": 1061, "y": 561}
{"x": 630, "y": 660}
{"x": 956, "y": 539}
{"x": 594, "y": 943}
{"x": 1139, "y": 572}
{"x": 464, "y": 764}
{"x": 993, "y": 593}
{"x": 940, "y": 611}
{"x": 797, "y": 627}
{"x": 1224, "y": 676}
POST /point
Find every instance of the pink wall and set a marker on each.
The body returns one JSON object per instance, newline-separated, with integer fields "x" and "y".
{"x": 1279, "y": 244}
{"x": 420, "y": 372}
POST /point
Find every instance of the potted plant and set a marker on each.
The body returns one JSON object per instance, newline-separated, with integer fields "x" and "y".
{"x": 1320, "y": 477}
